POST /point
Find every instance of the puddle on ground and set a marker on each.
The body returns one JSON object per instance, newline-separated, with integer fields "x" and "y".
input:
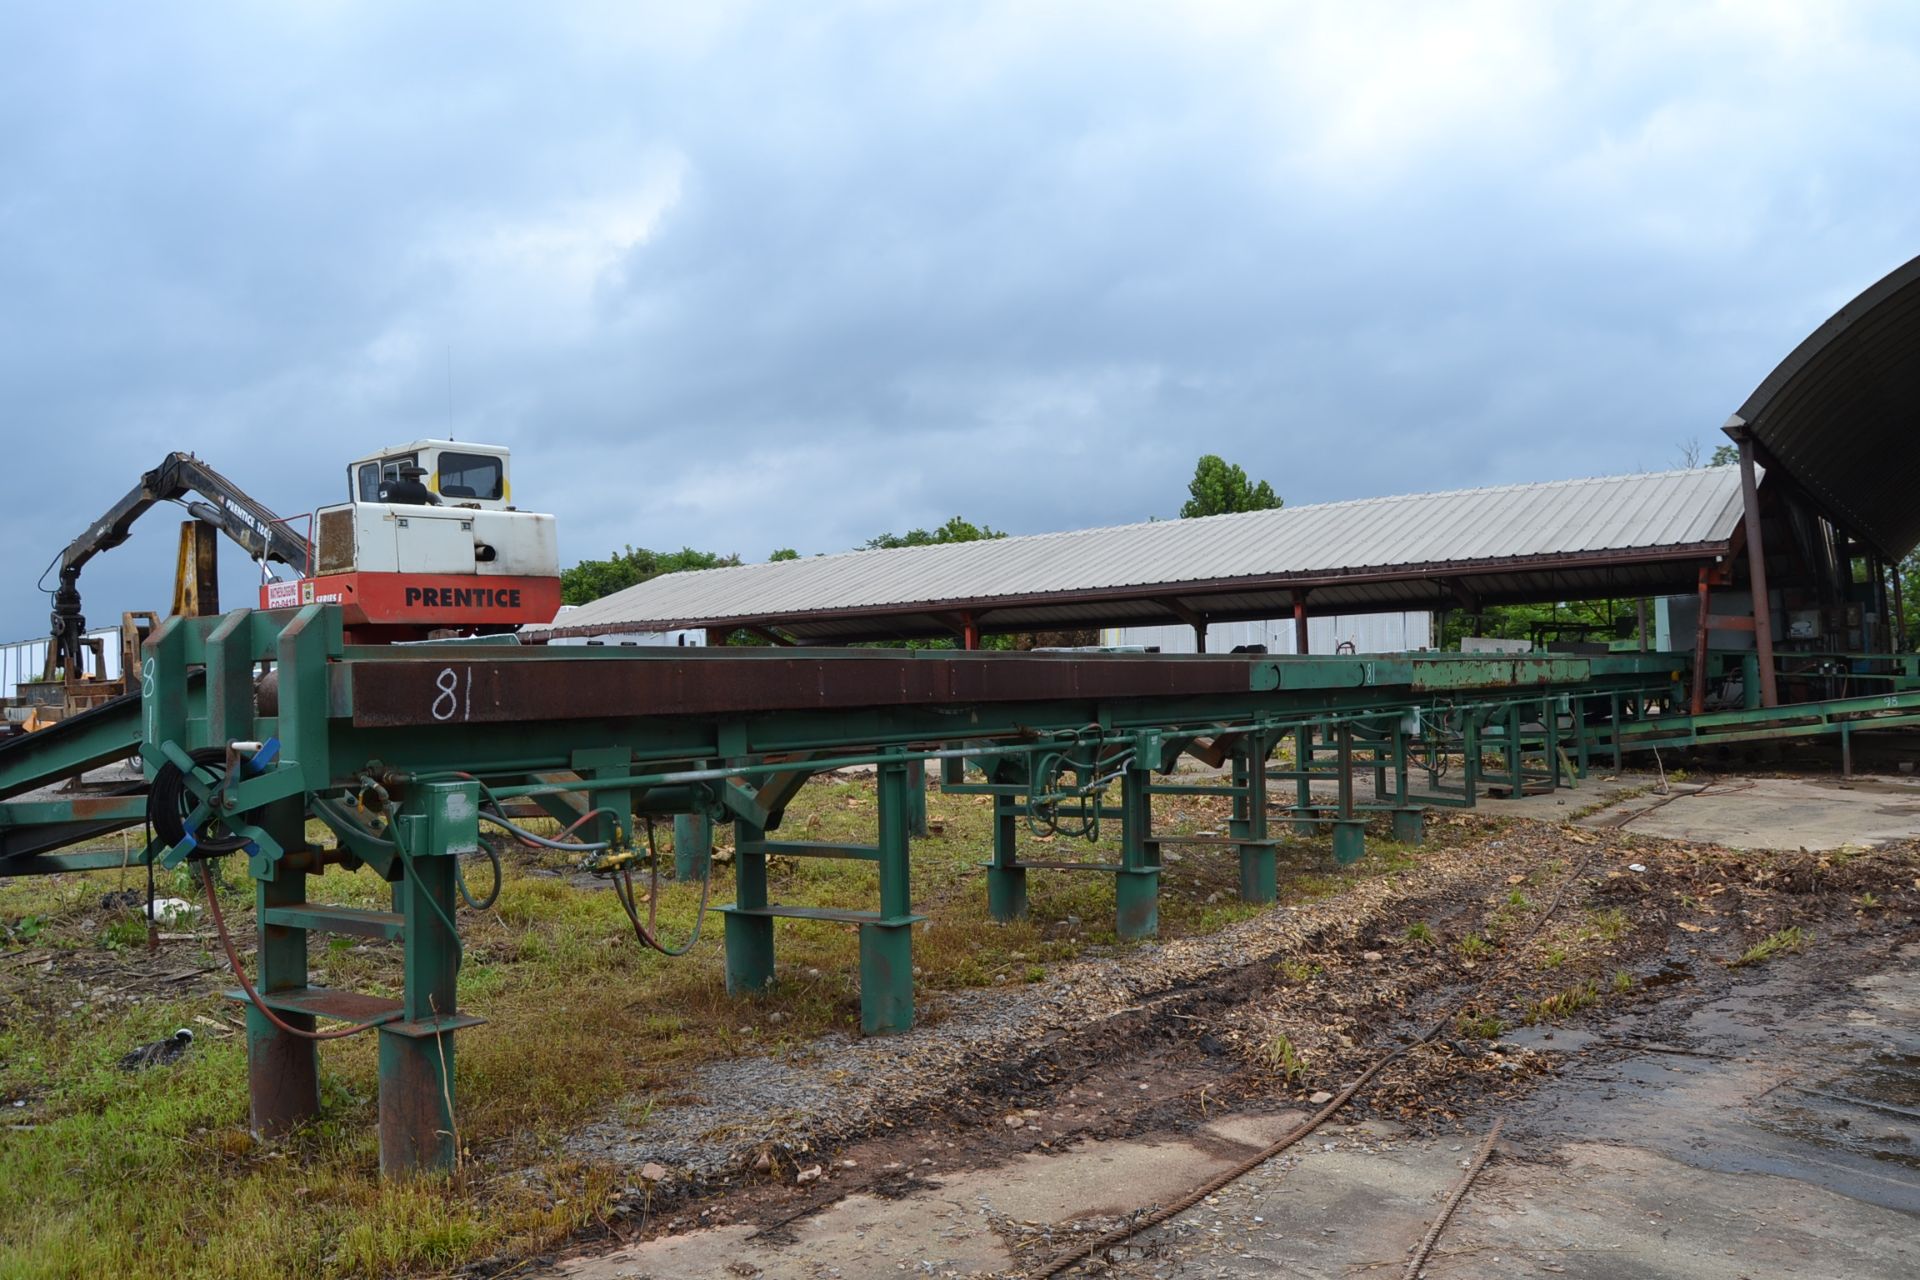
{"x": 1774, "y": 1076}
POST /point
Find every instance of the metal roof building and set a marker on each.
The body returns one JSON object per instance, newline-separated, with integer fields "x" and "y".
{"x": 1615, "y": 536}
{"x": 1836, "y": 425}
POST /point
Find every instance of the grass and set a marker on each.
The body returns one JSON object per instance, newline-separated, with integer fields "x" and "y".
{"x": 156, "y": 1174}
{"x": 1420, "y": 933}
{"x": 1478, "y": 1026}
{"x": 1609, "y": 925}
{"x": 1582, "y": 995}
{"x": 1473, "y": 947}
{"x": 1790, "y": 939}
{"x": 1283, "y": 1059}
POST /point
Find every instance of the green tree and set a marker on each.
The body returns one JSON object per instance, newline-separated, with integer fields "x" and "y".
{"x": 1725, "y": 455}
{"x": 1220, "y": 487}
{"x": 784, "y": 553}
{"x": 592, "y": 579}
{"x": 954, "y": 530}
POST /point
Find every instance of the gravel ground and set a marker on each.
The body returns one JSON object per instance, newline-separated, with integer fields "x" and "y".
{"x": 840, "y": 1086}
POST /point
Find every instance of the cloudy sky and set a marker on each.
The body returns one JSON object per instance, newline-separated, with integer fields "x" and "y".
{"x": 744, "y": 276}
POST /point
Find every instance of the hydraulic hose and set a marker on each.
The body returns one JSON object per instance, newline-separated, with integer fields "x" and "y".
{"x": 169, "y": 803}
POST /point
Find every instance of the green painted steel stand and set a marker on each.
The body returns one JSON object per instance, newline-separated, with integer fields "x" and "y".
{"x": 749, "y": 937}
{"x": 1303, "y": 762}
{"x": 1410, "y": 825}
{"x": 283, "y": 1071}
{"x": 886, "y": 944}
{"x": 916, "y": 797}
{"x": 1349, "y": 840}
{"x": 692, "y": 845}
{"x": 1136, "y": 892}
{"x": 1259, "y": 881}
{"x": 1006, "y": 879}
{"x": 439, "y": 823}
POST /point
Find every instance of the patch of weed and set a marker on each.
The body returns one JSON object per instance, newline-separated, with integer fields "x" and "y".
{"x": 1554, "y": 1007}
{"x": 1792, "y": 938}
{"x": 1283, "y": 1059}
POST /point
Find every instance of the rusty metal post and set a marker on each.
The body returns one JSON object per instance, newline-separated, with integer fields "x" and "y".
{"x": 970, "y": 631}
{"x": 1756, "y": 576}
{"x": 1200, "y": 637}
{"x": 196, "y": 575}
{"x": 1698, "y": 702}
{"x": 1300, "y": 621}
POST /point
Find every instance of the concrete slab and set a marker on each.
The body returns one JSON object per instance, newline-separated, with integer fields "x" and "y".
{"x": 1774, "y": 813}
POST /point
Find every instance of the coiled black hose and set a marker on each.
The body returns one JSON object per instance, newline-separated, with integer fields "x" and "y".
{"x": 169, "y": 803}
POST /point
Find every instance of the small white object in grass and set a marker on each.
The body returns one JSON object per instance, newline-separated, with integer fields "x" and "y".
{"x": 1635, "y": 866}
{"x": 171, "y": 911}
{"x": 808, "y": 1174}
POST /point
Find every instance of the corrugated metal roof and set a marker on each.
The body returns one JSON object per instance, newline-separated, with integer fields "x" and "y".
{"x": 1841, "y": 413}
{"x": 1672, "y": 514}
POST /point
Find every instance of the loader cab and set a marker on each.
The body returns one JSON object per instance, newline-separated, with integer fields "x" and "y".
{"x": 458, "y": 474}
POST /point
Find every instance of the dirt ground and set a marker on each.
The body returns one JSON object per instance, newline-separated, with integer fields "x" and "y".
{"x": 1693, "y": 1012}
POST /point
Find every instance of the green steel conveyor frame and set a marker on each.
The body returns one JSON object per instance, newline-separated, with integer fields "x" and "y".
{"x": 398, "y": 750}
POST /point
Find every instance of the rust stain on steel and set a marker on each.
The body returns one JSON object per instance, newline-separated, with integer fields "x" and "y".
{"x": 391, "y": 693}
{"x": 283, "y": 1081}
{"x": 415, "y": 1130}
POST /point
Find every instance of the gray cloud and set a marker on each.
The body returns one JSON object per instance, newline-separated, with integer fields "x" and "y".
{"x": 768, "y": 275}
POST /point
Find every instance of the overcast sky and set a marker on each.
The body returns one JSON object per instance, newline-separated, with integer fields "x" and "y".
{"x": 744, "y": 276}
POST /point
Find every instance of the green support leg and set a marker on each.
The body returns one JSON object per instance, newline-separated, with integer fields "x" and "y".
{"x": 1006, "y": 882}
{"x": 1349, "y": 840}
{"x": 1516, "y": 771}
{"x": 916, "y": 797}
{"x": 1614, "y": 706}
{"x": 1582, "y": 757}
{"x": 1258, "y": 882}
{"x": 1137, "y": 884}
{"x": 1349, "y": 832}
{"x": 1470, "y": 758}
{"x": 692, "y": 845}
{"x": 417, "y": 1126}
{"x": 1303, "y": 761}
{"x": 283, "y": 1071}
{"x": 1410, "y": 825}
{"x": 749, "y": 938}
{"x": 886, "y": 948}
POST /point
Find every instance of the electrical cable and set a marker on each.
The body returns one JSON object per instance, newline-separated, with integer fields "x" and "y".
{"x": 645, "y": 933}
{"x": 240, "y": 972}
{"x": 499, "y": 879}
{"x": 545, "y": 842}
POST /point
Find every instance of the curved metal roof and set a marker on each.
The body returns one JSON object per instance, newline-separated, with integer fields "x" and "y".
{"x": 1841, "y": 414}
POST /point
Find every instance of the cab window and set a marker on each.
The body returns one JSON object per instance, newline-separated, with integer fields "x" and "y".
{"x": 369, "y": 482}
{"x": 470, "y": 475}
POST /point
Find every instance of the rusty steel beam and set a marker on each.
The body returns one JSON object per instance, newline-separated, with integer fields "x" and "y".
{"x": 1756, "y": 566}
